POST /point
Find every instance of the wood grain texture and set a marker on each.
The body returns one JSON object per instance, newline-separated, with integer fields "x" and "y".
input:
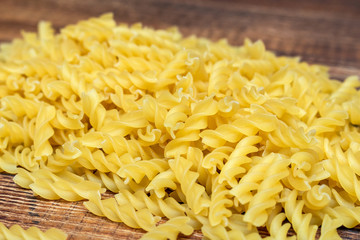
{"x": 324, "y": 32}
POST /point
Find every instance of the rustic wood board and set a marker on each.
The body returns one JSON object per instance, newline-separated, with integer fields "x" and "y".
{"x": 325, "y": 32}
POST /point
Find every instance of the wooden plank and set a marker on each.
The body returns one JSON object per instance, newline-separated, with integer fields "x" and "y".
{"x": 325, "y": 32}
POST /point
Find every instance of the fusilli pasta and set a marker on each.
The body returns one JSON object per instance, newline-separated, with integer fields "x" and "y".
{"x": 213, "y": 137}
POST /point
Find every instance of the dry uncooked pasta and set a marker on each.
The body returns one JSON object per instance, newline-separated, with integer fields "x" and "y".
{"x": 32, "y": 233}
{"x": 209, "y": 136}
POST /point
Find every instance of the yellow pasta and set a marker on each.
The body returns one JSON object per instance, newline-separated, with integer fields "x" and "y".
{"x": 32, "y": 233}
{"x": 211, "y": 137}
{"x": 170, "y": 229}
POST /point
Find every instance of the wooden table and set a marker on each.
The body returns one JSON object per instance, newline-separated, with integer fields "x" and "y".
{"x": 325, "y": 32}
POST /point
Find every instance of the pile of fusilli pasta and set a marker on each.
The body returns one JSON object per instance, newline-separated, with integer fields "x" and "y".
{"x": 212, "y": 137}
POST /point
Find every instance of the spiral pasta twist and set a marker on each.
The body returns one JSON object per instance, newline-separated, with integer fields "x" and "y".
{"x": 19, "y": 106}
{"x": 17, "y": 232}
{"x": 125, "y": 123}
{"x": 218, "y": 78}
{"x": 126, "y": 102}
{"x": 195, "y": 193}
{"x": 140, "y": 169}
{"x": 282, "y": 106}
{"x": 110, "y": 181}
{"x": 123, "y": 212}
{"x": 141, "y": 80}
{"x": 31, "y": 87}
{"x": 68, "y": 120}
{"x": 99, "y": 27}
{"x": 236, "y": 229}
{"x": 70, "y": 51}
{"x": 167, "y": 207}
{"x": 13, "y": 133}
{"x": 243, "y": 191}
{"x": 117, "y": 144}
{"x": 64, "y": 185}
{"x": 43, "y": 131}
{"x": 64, "y": 157}
{"x": 219, "y": 211}
{"x": 154, "y": 112}
{"x": 306, "y": 169}
{"x": 346, "y": 90}
{"x": 243, "y": 126}
{"x": 8, "y": 162}
{"x": 164, "y": 39}
{"x": 328, "y": 228}
{"x": 217, "y": 159}
{"x": 72, "y": 104}
{"x": 330, "y": 121}
{"x": 175, "y": 119}
{"x": 26, "y": 159}
{"x": 170, "y": 229}
{"x": 94, "y": 109}
{"x": 300, "y": 222}
{"x": 162, "y": 181}
{"x": 100, "y": 54}
{"x": 250, "y": 94}
{"x": 318, "y": 197}
{"x": 38, "y": 67}
{"x": 177, "y": 66}
{"x": 348, "y": 215}
{"x": 228, "y": 106}
{"x": 353, "y": 110}
{"x": 233, "y": 167}
{"x": 275, "y": 225}
{"x": 341, "y": 170}
{"x": 267, "y": 192}
{"x": 249, "y": 67}
{"x": 97, "y": 160}
{"x": 76, "y": 82}
{"x": 284, "y": 137}
{"x": 192, "y": 127}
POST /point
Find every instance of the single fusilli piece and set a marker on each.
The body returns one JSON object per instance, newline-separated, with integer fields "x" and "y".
{"x": 123, "y": 212}
{"x": 63, "y": 185}
{"x": 197, "y": 121}
{"x": 219, "y": 211}
{"x": 328, "y": 228}
{"x": 300, "y": 222}
{"x": 138, "y": 170}
{"x": 170, "y": 229}
{"x": 161, "y": 182}
{"x": 43, "y": 130}
{"x": 239, "y": 157}
{"x": 195, "y": 194}
{"x": 32, "y": 233}
{"x": 277, "y": 229}
{"x": 167, "y": 207}
{"x": 267, "y": 192}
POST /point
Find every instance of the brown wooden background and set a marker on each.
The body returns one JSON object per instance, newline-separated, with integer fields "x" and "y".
{"x": 320, "y": 31}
